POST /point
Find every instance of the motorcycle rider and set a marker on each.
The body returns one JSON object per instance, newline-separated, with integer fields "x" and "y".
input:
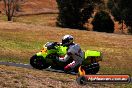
{"x": 74, "y": 52}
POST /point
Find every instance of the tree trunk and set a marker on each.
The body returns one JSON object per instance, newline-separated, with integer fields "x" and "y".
{"x": 9, "y": 18}
{"x": 122, "y": 28}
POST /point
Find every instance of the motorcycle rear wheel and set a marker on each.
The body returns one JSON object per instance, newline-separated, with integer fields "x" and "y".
{"x": 38, "y": 62}
{"x": 92, "y": 68}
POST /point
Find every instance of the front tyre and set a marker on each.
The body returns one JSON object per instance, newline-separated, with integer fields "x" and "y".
{"x": 38, "y": 62}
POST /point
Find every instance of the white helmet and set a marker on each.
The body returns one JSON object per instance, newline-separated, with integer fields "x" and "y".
{"x": 67, "y": 40}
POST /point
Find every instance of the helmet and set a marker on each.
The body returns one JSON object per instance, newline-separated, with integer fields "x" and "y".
{"x": 67, "y": 40}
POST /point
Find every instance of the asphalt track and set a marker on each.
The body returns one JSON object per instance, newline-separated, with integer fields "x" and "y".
{"x": 28, "y": 66}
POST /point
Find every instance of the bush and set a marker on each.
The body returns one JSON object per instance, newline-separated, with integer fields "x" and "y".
{"x": 122, "y": 11}
{"x": 74, "y": 13}
{"x": 69, "y": 15}
{"x": 102, "y": 22}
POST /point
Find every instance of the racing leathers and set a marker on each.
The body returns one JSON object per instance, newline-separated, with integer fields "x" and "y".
{"x": 74, "y": 52}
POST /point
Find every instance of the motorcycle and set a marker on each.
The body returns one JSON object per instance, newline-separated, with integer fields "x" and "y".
{"x": 51, "y": 51}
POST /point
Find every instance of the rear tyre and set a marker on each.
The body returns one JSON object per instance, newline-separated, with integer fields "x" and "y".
{"x": 38, "y": 62}
{"x": 92, "y": 68}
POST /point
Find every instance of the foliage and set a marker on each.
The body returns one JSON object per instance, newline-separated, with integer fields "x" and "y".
{"x": 122, "y": 10}
{"x": 102, "y": 22}
{"x": 74, "y": 13}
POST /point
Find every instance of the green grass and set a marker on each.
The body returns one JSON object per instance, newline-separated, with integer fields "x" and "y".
{"x": 43, "y": 19}
{"x": 3, "y": 17}
{"x": 18, "y": 43}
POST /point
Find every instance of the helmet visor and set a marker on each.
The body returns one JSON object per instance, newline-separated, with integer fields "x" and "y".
{"x": 65, "y": 42}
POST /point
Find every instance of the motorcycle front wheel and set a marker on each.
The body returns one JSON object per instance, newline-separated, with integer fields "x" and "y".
{"x": 38, "y": 62}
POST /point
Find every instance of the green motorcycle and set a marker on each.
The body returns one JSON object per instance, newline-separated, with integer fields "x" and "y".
{"x": 51, "y": 51}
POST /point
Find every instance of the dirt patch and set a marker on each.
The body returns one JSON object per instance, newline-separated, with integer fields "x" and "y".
{"x": 20, "y": 77}
{"x": 28, "y": 7}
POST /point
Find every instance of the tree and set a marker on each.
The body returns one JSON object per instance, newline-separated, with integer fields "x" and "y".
{"x": 10, "y": 7}
{"x": 126, "y": 11}
{"x": 115, "y": 10}
{"x": 122, "y": 11}
{"x": 102, "y": 22}
{"x": 74, "y": 13}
